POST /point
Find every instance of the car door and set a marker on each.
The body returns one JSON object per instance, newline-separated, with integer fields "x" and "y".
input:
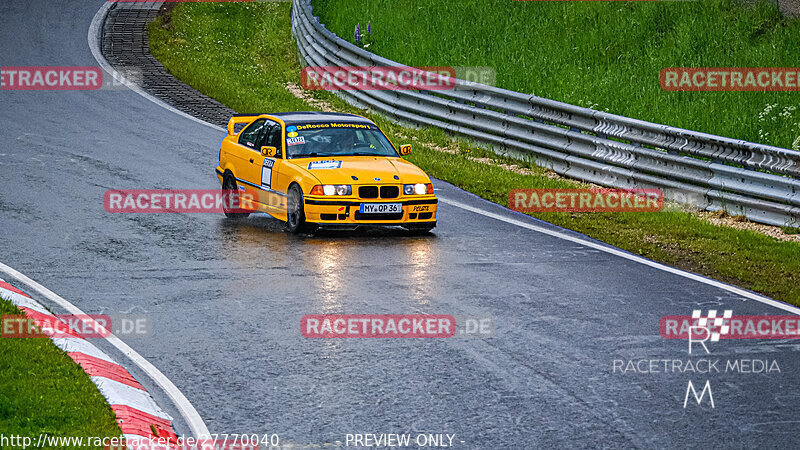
{"x": 272, "y": 192}
{"x": 249, "y": 157}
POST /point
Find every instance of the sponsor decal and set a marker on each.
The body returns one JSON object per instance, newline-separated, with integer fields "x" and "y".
{"x": 586, "y": 200}
{"x": 292, "y": 134}
{"x": 295, "y": 140}
{"x": 291, "y": 128}
{"x": 266, "y": 173}
{"x": 730, "y": 79}
{"x": 335, "y": 78}
{"x": 420, "y": 208}
{"x": 318, "y": 126}
{"x": 331, "y": 164}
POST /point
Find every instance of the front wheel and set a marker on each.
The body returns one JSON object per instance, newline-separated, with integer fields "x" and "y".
{"x": 295, "y": 213}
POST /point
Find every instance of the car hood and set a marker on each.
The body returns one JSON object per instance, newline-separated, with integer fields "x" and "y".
{"x": 365, "y": 168}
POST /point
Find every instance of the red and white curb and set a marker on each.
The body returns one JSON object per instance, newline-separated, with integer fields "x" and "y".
{"x": 138, "y": 415}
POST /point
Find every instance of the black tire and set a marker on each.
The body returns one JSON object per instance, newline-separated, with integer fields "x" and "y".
{"x": 229, "y": 184}
{"x": 295, "y": 213}
{"x": 420, "y": 229}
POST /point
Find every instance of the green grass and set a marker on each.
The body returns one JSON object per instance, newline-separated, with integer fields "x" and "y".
{"x": 791, "y": 230}
{"x": 43, "y": 391}
{"x": 247, "y": 69}
{"x": 247, "y": 50}
{"x": 602, "y": 55}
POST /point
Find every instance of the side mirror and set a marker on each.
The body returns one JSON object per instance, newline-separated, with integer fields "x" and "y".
{"x": 405, "y": 149}
{"x": 268, "y": 151}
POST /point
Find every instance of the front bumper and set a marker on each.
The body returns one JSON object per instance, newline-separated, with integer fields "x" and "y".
{"x": 326, "y": 212}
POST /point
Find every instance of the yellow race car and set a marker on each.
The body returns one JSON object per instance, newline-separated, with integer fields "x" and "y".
{"x": 324, "y": 170}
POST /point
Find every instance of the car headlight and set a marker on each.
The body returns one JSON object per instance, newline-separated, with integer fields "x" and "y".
{"x": 417, "y": 189}
{"x": 336, "y": 189}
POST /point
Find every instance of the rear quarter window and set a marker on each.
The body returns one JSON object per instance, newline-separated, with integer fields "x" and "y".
{"x": 249, "y": 137}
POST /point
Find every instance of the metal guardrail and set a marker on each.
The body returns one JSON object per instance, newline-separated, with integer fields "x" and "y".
{"x": 707, "y": 171}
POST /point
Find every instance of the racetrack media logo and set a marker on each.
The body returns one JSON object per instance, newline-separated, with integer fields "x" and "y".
{"x": 352, "y": 78}
{"x": 730, "y": 79}
{"x": 586, "y": 200}
{"x": 702, "y": 332}
{"x": 178, "y": 201}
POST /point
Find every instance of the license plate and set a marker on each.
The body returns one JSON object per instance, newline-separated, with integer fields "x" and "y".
{"x": 381, "y": 208}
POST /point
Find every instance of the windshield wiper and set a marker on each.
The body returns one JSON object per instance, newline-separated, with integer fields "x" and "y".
{"x": 367, "y": 154}
{"x": 303, "y": 155}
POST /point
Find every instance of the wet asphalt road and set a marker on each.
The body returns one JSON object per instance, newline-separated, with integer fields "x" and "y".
{"x": 225, "y": 298}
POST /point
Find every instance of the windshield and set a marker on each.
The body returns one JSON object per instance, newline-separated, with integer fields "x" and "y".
{"x": 336, "y": 139}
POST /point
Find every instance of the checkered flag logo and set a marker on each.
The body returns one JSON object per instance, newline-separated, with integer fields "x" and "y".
{"x": 714, "y": 325}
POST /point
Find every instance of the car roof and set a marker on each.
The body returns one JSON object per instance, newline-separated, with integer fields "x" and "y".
{"x": 295, "y": 118}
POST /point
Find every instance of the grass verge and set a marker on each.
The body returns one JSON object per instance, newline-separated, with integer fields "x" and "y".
{"x": 43, "y": 391}
{"x": 244, "y": 56}
{"x": 600, "y": 55}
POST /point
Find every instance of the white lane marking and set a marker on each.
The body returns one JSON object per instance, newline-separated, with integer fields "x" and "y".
{"x": 193, "y": 419}
{"x": 628, "y": 256}
{"x": 94, "y": 44}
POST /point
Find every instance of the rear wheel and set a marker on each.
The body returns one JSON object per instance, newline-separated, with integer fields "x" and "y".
{"x": 295, "y": 213}
{"x": 229, "y": 184}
